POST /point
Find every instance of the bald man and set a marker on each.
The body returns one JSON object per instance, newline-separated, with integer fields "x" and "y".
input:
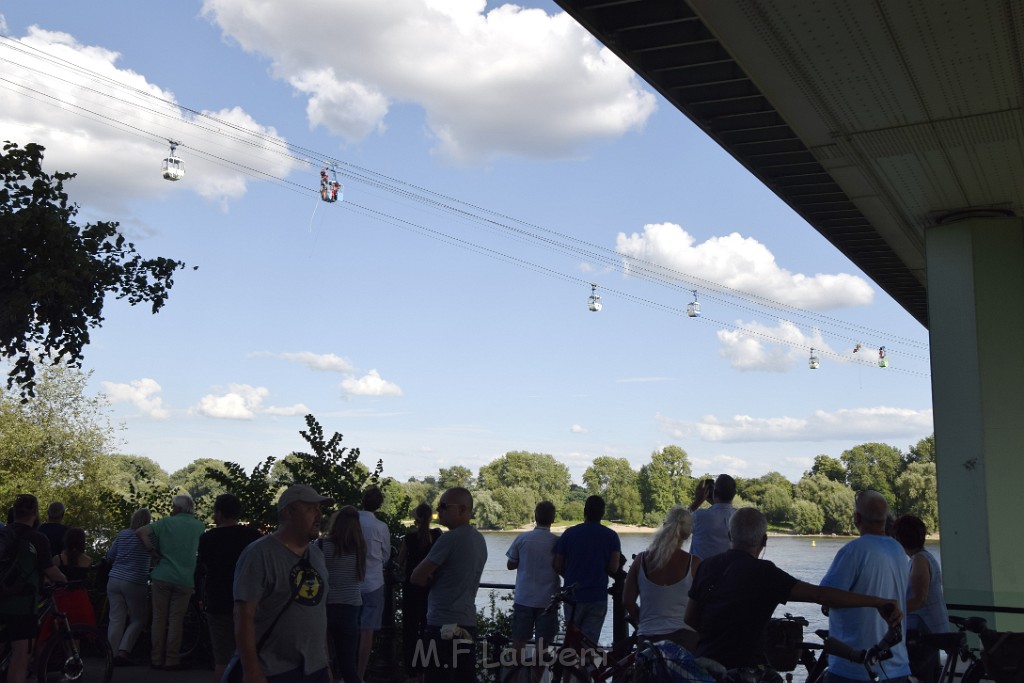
{"x": 873, "y": 564}
{"x": 452, "y": 570}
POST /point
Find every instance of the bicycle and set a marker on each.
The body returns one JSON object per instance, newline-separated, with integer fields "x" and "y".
{"x": 72, "y": 652}
{"x": 869, "y": 657}
{"x": 1002, "y": 656}
{"x": 576, "y": 659}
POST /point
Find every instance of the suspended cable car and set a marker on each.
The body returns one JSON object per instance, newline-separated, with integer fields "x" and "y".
{"x": 594, "y": 302}
{"x": 812, "y": 362}
{"x": 173, "y": 168}
{"x": 883, "y": 362}
{"x": 330, "y": 189}
{"x": 693, "y": 309}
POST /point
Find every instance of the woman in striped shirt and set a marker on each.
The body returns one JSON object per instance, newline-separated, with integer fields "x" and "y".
{"x": 126, "y": 588}
{"x": 345, "y": 553}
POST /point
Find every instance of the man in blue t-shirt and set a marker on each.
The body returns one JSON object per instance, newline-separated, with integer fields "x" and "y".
{"x": 586, "y": 555}
{"x": 874, "y": 564}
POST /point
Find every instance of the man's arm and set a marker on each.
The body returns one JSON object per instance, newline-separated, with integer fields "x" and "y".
{"x": 423, "y": 574}
{"x": 613, "y": 563}
{"x": 700, "y": 494}
{"x": 631, "y": 591}
{"x": 245, "y": 641}
{"x": 559, "y": 564}
{"x": 827, "y": 596}
{"x": 146, "y": 536}
{"x": 54, "y": 574}
{"x": 512, "y": 564}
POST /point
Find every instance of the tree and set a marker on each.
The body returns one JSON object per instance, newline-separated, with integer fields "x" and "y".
{"x": 834, "y": 499}
{"x": 256, "y": 490}
{"x": 194, "y": 479}
{"x": 538, "y": 472}
{"x": 922, "y": 451}
{"x": 828, "y": 466}
{"x": 55, "y": 274}
{"x": 666, "y": 480}
{"x": 615, "y": 480}
{"x": 874, "y": 466}
{"x": 807, "y": 517}
{"x": 917, "y": 490}
{"x": 517, "y": 503}
{"x": 457, "y": 475}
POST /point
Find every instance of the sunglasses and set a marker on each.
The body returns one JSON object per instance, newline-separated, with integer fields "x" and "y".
{"x": 442, "y": 507}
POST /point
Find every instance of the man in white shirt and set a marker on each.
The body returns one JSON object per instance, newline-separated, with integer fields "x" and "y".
{"x": 711, "y": 525}
{"x": 532, "y": 554}
{"x": 378, "y": 551}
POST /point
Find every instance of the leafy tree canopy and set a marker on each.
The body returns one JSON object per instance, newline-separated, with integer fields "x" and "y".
{"x": 538, "y": 472}
{"x": 55, "y": 274}
{"x": 666, "y": 480}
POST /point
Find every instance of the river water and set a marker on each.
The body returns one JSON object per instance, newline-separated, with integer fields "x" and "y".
{"x": 806, "y": 558}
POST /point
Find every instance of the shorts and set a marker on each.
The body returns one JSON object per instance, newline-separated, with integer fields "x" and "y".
{"x": 373, "y": 610}
{"x": 222, "y": 636}
{"x": 15, "y": 627}
{"x": 527, "y": 620}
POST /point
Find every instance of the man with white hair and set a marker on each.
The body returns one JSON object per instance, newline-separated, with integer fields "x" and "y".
{"x": 876, "y": 564}
{"x": 734, "y": 595}
{"x": 172, "y": 543}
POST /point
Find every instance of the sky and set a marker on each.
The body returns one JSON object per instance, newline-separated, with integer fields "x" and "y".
{"x": 496, "y": 161}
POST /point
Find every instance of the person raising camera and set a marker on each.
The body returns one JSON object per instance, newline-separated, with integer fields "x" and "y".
{"x": 711, "y": 525}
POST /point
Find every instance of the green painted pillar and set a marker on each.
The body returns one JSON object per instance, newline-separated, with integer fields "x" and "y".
{"x": 976, "y": 319}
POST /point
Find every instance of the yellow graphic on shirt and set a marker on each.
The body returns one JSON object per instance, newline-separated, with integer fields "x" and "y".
{"x": 307, "y": 584}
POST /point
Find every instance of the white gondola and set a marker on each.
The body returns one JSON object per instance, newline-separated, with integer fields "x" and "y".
{"x": 693, "y": 309}
{"x": 173, "y": 168}
{"x": 812, "y": 362}
{"x": 330, "y": 189}
{"x": 594, "y": 302}
{"x": 883, "y": 361}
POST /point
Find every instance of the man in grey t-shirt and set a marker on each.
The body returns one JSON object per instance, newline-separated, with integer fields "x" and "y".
{"x": 452, "y": 570}
{"x": 280, "y": 589}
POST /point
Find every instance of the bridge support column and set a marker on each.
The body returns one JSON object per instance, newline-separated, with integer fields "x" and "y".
{"x": 976, "y": 317}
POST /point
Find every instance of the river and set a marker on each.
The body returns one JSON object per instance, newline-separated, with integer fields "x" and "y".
{"x": 806, "y": 558}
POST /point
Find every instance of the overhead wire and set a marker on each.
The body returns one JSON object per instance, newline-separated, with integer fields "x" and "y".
{"x": 500, "y": 223}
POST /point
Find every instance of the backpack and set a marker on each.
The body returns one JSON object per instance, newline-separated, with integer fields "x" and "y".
{"x": 19, "y": 580}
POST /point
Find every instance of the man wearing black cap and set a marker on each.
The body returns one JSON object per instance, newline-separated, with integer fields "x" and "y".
{"x": 280, "y": 596}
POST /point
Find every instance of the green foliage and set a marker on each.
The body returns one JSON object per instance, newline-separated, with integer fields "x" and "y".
{"x": 194, "y": 479}
{"x": 834, "y": 500}
{"x": 807, "y": 517}
{"x": 917, "y": 491}
{"x": 517, "y": 505}
{"x": 829, "y": 467}
{"x": 666, "y": 480}
{"x": 538, "y": 472}
{"x": 419, "y": 492}
{"x": 772, "y": 494}
{"x": 873, "y": 466}
{"x": 257, "y": 491}
{"x": 615, "y": 480}
{"x": 487, "y": 513}
{"x": 457, "y": 475}
{"x": 922, "y": 451}
{"x": 55, "y": 274}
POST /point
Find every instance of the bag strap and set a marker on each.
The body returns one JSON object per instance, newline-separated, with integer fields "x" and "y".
{"x": 291, "y": 599}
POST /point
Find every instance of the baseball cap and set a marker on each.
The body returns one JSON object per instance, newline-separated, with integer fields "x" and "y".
{"x": 300, "y": 493}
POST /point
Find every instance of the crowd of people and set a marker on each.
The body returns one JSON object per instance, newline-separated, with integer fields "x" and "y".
{"x": 303, "y": 602}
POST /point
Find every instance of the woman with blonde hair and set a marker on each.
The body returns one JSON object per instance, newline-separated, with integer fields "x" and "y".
{"x": 661, "y": 577}
{"x": 345, "y": 553}
{"x": 127, "y": 588}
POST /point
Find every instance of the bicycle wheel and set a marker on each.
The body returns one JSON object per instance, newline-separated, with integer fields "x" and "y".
{"x": 85, "y": 657}
{"x": 974, "y": 673}
{"x": 193, "y": 632}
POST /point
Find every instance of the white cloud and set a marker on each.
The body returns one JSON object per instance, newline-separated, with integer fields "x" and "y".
{"x": 741, "y": 263}
{"x": 239, "y": 403}
{"x": 115, "y": 162}
{"x": 370, "y": 384}
{"x": 297, "y": 409}
{"x": 772, "y": 349}
{"x": 140, "y": 393}
{"x": 504, "y": 81}
{"x": 876, "y": 424}
{"x": 325, "y": 362}
{"x": 578, "y": 429}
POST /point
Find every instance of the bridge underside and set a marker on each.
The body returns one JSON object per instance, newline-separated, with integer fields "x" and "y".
{"x": 895, "y": 130}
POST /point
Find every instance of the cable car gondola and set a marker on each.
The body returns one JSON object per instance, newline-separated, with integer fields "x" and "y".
{"x": 812, "y": 362}
{"x": 883, "y": 362}
{"x": 173, "y": 168}
{"x": 330, "y": 189}
{"x": 594, "y": 302}
{"x": 693, "y": 309}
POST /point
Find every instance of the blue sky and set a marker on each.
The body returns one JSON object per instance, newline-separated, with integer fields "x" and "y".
{"x": 447, "y": 332}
